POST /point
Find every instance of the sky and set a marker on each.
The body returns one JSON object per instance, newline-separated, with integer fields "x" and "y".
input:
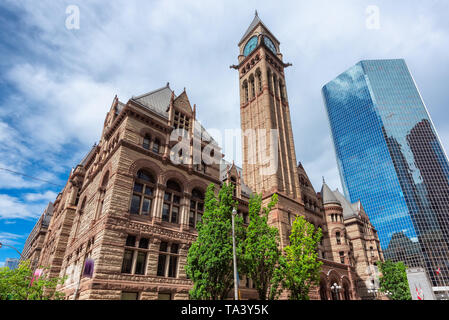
{"x": 57, "y": 82}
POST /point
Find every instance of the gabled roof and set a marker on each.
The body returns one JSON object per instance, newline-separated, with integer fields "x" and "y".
{"x": 225, "y": 167}
{"x": 157, "y": 100}
{"x": 182, "y": 103}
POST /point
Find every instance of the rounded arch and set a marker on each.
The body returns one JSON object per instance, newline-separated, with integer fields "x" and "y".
{"x": 199, "y": 184}
{"x": 333, "y": 276}
{"x": 334, "y": 231}
{"x": 146, "y": 175}
{"x": 346, "y": 291}
{"x": 174, "y": 185}
{"x": 105, "y": 180}
{"x": 173, "y": 175}
{"x": 82, "y": 205}
{"x": 198, "y": 193}
{"x": 144, "y": 164}
{"x": 323, "y": 289}
{"x": 152, "y": 133}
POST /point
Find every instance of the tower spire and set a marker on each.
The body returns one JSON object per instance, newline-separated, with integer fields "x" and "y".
{"x": 256, "y": 14}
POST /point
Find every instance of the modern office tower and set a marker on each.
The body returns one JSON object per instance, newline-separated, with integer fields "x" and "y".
{"x": 390, "y": 157}
{"x": 11, "y": 263}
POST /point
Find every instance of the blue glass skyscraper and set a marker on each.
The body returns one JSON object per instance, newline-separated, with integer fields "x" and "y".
{"x": 389, "y": 156}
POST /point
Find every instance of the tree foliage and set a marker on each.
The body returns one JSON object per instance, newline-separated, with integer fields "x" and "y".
{"x": 301, "y": 269}
{"x": 16, "y": 284}
{"x": 394, "y": 280}
{"x": 210, "y": 258}
{"x": 261, "y": 249}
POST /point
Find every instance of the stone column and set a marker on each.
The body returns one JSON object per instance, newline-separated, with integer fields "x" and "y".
{"x": 156, "y": 211}
{"x": 153, "y": 257}
{"x": 184, "y": 212}
{"x": 183, "y": 250}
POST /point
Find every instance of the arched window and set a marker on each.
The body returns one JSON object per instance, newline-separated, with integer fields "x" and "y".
{"x": 104, "y": 184}
{"x": 269, "y": 80}
{"x": 275, "y": 86}
{"x": 172, "y": 202}
{"x": 79, "y": 216}
{"x": 196, "y": 207}
{"x": 252, "y": 85}
{"x": 156, "y": 145}
{"x": 146, "y": 142}
{"x": 259, "y": 80}
{"x": 245, "y": 91}
{"x": 143, "y": 193}
{"x": 281, "y": 90}
{"x": 338, "y": 237}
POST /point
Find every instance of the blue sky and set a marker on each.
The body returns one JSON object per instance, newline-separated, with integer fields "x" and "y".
{"x": 57, "y": 84}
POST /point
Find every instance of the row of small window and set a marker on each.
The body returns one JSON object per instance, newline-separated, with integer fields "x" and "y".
{"x": 143, "y": 197}
{"x": 135, "y": 258}
{"x": 336, "y": 217}
{"x": 153, "y": 145}
{"x": 250, "y": 87}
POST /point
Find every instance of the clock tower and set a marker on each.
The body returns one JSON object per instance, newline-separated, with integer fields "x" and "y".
{"x": 264, "y": 107}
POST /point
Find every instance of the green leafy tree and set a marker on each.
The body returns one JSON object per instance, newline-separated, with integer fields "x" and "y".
{"x": 261, "y": 249}
{"x": 16, "y": 284}
{"x": 394, "y": 280}
{"x": 210, "y": 258}
{"x": 301, "y": 264}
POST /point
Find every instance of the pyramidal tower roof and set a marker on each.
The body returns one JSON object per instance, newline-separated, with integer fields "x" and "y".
{"x": 253, "y": 25}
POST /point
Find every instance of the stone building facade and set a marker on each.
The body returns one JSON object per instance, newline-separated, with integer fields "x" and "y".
{"x": 132, "y": 210}
{"x": 35, "y": 241}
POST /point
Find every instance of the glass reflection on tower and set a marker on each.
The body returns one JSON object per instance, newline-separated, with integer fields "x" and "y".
{"x": 389, "y": 157}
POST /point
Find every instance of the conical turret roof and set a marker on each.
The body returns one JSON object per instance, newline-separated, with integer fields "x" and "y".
{"x": 328, "y": 195}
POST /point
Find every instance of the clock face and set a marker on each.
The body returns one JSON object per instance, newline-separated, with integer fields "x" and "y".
{"x": 269, "y": 44}
{"x": 250, "y": 45}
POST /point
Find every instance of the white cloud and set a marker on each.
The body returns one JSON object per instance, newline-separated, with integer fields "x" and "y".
{"x": 14, "y": 208}
{"x": 10, "y": 238}
{"x": 130, "y": 47}
{"x": 47, "y": 196}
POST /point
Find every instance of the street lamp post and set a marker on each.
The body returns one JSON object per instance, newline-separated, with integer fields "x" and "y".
{"x": 33, "y": 262}
{"x": 6, "y": 245}
{"x": 236, "y": 297}
{"x": 335, "y": 288}
{"x": 373, "y": 290}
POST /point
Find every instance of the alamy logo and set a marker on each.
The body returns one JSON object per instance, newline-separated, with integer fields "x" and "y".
{"x": 373, "y": 17}
{"x": 372, "y": 282}
{"x": 73, "y": 17}
{"x": 200, "y": 149}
